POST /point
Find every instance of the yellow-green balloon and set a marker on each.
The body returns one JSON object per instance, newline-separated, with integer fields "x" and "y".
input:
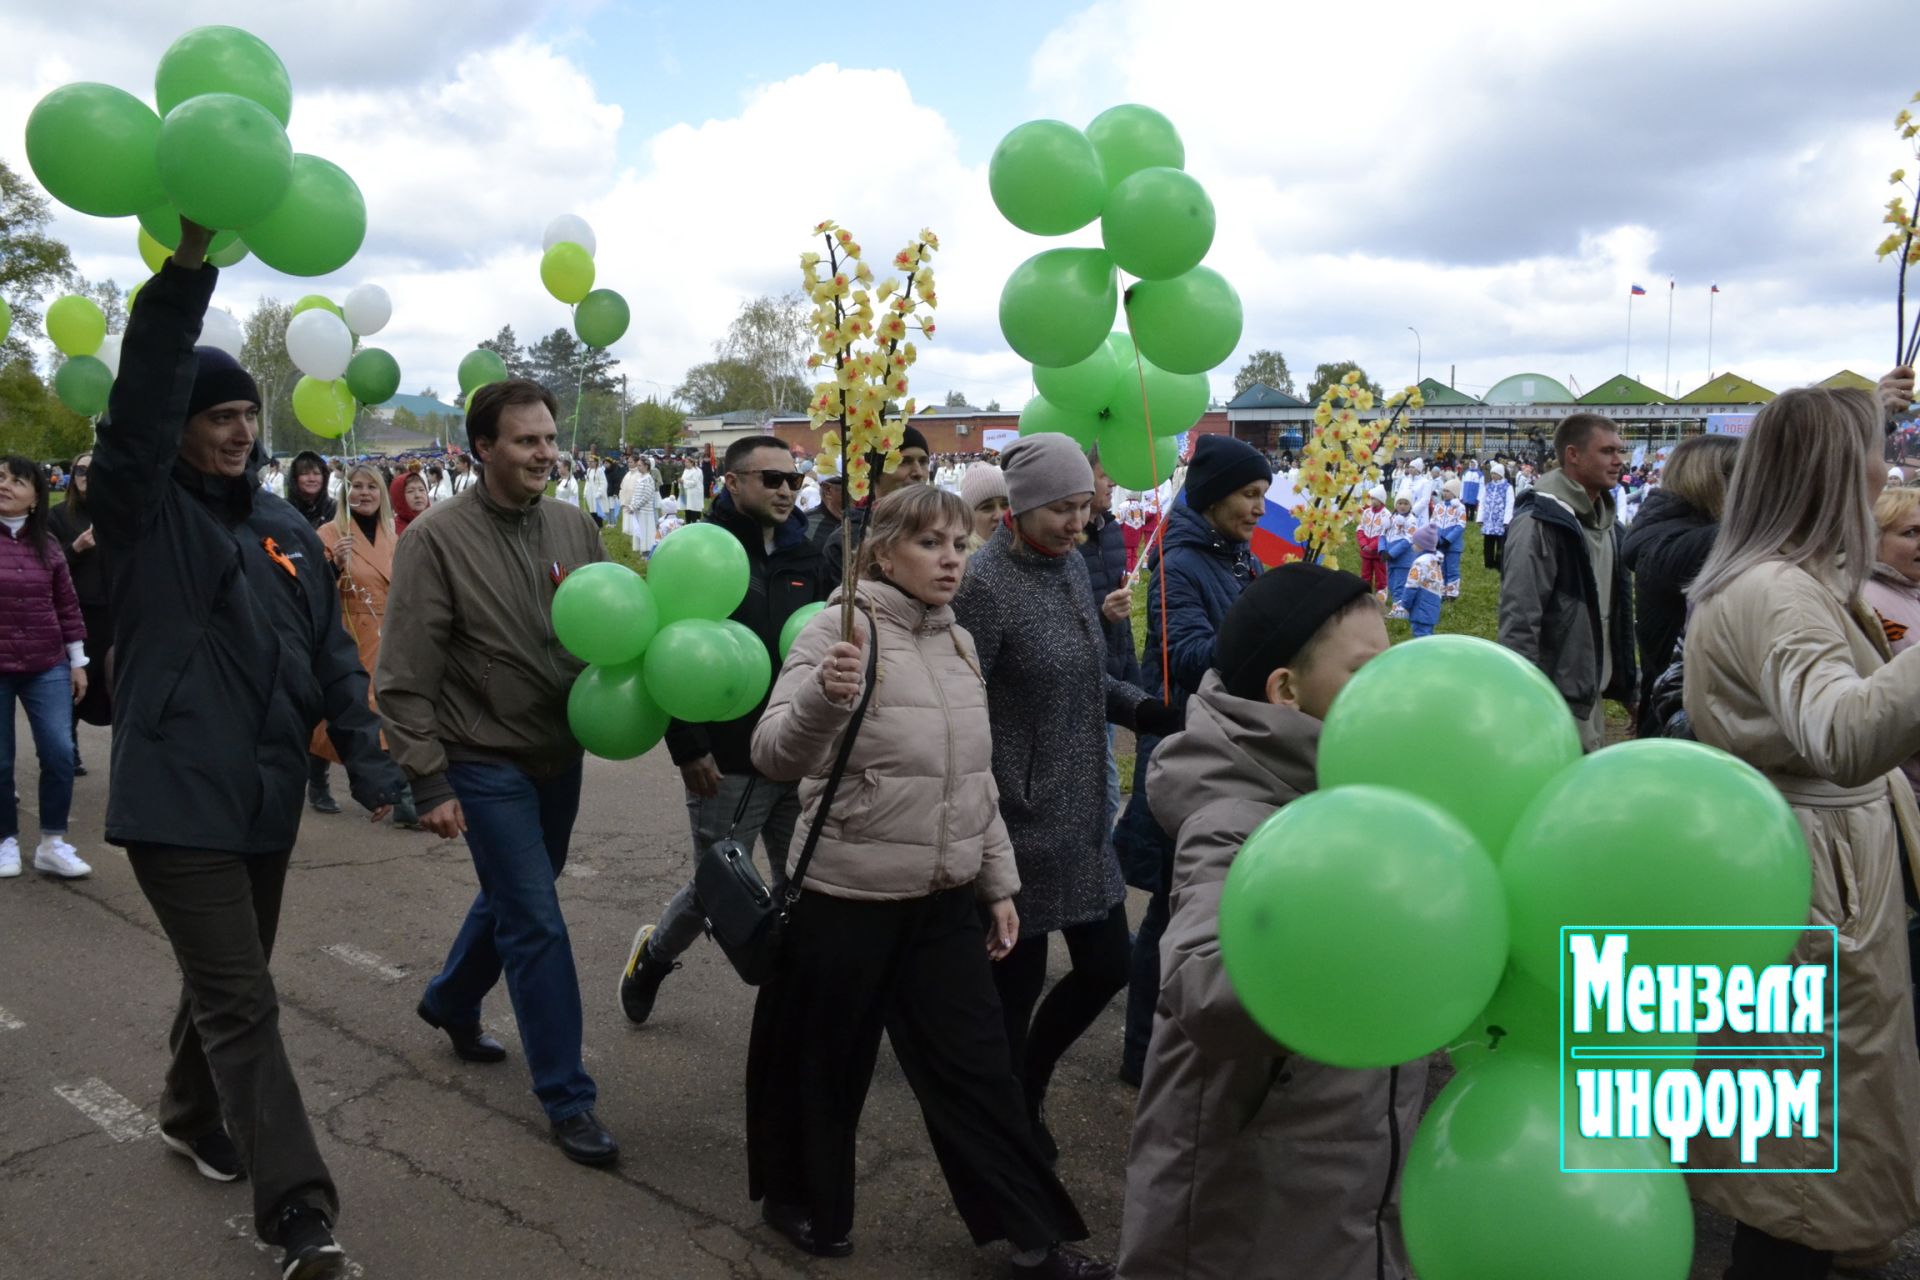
{"x": 93, "y": 147}
{"x": 152, "y": 252}
{"x": 567, "y": 271}
{"x": 612, "y": 714}
{"x": 316, "y": 301}
{"x": 324, "y": 408}
{"x": 76, "y": 325}
{"x": 1046, "y": 178}
{"x": 162, "y": 222}
{"x": 224, "y": 160}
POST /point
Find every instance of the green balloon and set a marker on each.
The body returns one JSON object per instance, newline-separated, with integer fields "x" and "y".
{"x": 1390, "y": 904}
{"x": 1657, "y": 832}
{"x": 1088, "y": 386}
{"x": 224, "y": 159}
{"x": 567, "y": 271}
{"x": 604, "y": 614}
{"x": 1172, "y": 402}
{"x": 1506, "y": 742}
{"x": 1130, "y": 138}
{"x": 704, "y": 575}
{"x": 162, "y": 222}
{"x": 1131, "y": 457}
{"x": 229, "y": 254}
{"x": 6, "y": 319}
{"x": 373, "y": 375}
{"x": 1046, "y": 178}
{"x": 316, "y": 302}
{"x": 1157, "y": 224}
{"x": 1058, "y": 306}
{"x": 1483, "y": 1197}
{"x": 1526, "y": 1017}
{"x": 223, "y": 60}
{"x": 601, "y": 318}
{"x": 756, "y": 669}
{"x": 611, "y": 712}
{"x": 93, "y": 146}
{"x": 318, "y": 227}
{"x": 83, "y": 385}
{"x": 479, "y": 367}
{"x": 789, "y": 630}
{"x": 76, "y": 325}
{"x": 1042, "y": 416}
{"x": 1188, "y": 324}
{"x": 324, "y": 408}
{"x": 693, "y": 667}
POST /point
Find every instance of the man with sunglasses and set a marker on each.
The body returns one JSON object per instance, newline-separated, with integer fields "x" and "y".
{"x": 724, "y": 794}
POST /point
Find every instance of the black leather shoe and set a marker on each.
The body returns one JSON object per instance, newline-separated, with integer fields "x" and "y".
{"x": 321, "y": 800}
{"x": 1062, "y": 1263}
{"x": 792, "y": 1222}
{"x": 471, "y": 1044}
{"x": 584, "y": 1140}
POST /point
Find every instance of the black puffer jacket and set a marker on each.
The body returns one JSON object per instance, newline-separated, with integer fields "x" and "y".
{"x": 780, "y": 582}
{"x": 1665, "y": 548}
{"x": 227, "y": 634}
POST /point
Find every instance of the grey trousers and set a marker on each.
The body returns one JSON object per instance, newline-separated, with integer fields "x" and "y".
{"x": 772, "y": 813}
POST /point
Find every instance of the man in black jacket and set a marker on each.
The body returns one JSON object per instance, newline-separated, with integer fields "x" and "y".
{"x": 229, "y": 650}
{"x": 723, "y": 791}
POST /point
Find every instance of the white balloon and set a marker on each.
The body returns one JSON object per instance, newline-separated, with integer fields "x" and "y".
{"x": 221, "y": 330}
{"x": 368, "y": 309}
{"x": 569, "y": 228}
{"x": 109, "y": 353}
{"x": 319, "y": 344}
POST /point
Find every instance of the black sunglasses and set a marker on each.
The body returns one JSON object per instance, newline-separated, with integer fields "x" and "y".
{"x": 774, "y": 479}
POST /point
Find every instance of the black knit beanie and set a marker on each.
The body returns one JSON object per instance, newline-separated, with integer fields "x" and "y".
{"x": 1221, "y": 465}
{"x": 218, "y": 379}
{"x": 1274, "y": 618}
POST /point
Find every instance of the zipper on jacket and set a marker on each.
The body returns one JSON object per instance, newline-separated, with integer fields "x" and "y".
{"x": 946, "y": 794}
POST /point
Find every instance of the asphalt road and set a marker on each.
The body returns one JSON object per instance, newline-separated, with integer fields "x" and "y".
{"x": 445, "y": 1169}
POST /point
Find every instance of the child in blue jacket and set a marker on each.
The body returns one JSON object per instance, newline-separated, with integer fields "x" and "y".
{"x": 1396, "y": 548}
{"x": 1426, "y": 586}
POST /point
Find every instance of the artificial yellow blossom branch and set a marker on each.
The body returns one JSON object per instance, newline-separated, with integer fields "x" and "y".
{"x": 1341, "y": 460}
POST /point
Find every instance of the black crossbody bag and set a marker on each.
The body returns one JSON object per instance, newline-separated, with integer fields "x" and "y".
{"x": 743, "y": 915}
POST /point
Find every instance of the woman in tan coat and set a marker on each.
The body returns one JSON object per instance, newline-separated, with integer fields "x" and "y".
{"x": 887, "y": 932}
{"x": 359, "y": 542}
{"x": 1787, "y": 668}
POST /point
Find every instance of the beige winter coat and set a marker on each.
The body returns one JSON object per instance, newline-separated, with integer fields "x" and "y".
{"x": 1248, "y": 1162}
{"x": 1794, "y": 678}
{"x": 917, "y": 810}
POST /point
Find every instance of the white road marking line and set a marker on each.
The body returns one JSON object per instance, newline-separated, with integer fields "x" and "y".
{"x": 8, "y": 1022}
{"x": 97, "y": 1101}
{"x": 359, "y": 958}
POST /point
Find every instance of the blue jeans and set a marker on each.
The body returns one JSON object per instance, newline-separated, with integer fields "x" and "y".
{"x": 517, "y": 831}
{"x": 48, "y": 698}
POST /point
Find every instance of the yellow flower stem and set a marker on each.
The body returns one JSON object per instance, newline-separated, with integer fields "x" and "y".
{"x": 1903, "y": 352}
{"x": 846, "y": 478}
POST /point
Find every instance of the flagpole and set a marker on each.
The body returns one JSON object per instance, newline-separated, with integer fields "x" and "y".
{"x": 1667, "y": 376}
{"x": 1710, "y": 297}
{"x": 1629, "y": 369}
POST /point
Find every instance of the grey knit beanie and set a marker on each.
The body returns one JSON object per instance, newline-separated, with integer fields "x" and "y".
{"x": 1044, "y": 468}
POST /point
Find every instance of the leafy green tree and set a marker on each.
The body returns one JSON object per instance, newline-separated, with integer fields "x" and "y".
{"x": 957, "y": 400}
{"x": 32, "y": 421}
{"x": 1325, "y": 375}
{"x": 1268, "y": 367}
{"x": 506, "y": 345}
{"x": 653, "y": 425}
{"x": 32, "y": 263}
{"x": 770, "y": 339}
{"x": 722, "y": 385}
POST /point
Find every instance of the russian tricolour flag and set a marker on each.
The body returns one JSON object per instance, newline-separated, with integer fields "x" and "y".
{"x": 1276, "y": 539}
{"x": 1638, "y": 292}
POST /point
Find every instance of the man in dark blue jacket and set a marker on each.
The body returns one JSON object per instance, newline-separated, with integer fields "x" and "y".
{"x": 229, "y": 650}
{"x": 724, "y": 792}
{"x": 1206, "y": 560}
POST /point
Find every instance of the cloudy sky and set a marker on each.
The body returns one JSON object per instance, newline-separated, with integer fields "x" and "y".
{"x": 1491, "y": 173}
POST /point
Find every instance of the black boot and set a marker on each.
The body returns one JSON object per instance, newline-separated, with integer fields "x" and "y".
{"x": 319, "y": 788}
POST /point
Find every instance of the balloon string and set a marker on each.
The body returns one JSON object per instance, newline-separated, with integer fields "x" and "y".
{"x": 1160, "y": 578}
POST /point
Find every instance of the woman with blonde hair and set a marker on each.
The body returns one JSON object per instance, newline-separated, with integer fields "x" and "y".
{"x": 359, "y": 542}
{"x": 1788, "y": 669}
{"x": 904, "y": 899}
{"x": 1665, "y": 548}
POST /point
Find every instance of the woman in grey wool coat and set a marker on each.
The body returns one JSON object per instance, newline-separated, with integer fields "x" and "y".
{"x": 1027, "y": 605}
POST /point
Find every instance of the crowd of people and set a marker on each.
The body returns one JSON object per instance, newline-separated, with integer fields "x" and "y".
{"x": 937, "y": 787}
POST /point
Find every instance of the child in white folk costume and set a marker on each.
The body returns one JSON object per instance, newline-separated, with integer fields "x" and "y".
{"x": 1419, "y": 601}
{"x": 1450, "y": 521}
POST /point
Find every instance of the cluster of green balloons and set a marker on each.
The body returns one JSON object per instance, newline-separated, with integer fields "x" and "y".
{"x": 1156, "y": 224}
{"x": 1127, "y": 405}
{"x": 1402, "y": 909}
{"x": 337, "y": 374}
{"x": 662, "y": 646}
{"x": 600, "y": 316}
{"x": 216, "y": 152}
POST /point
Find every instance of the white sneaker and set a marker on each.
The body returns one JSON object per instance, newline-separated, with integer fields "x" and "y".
{"x": 57, "y": 858}
{"x": 9, "y": 858}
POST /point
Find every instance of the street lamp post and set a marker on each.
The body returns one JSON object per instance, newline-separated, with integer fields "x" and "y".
{"x": 1416, "y": 352}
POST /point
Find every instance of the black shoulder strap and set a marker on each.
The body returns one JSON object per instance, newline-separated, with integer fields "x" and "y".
{"x": 839, "y": 764}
